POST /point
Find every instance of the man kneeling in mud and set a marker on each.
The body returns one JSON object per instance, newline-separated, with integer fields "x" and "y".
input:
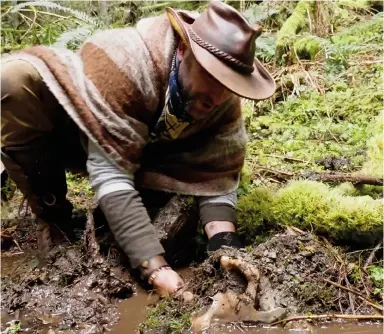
{"x": 156, "y": 107}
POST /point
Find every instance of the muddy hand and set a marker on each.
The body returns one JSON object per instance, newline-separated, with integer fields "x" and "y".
{"x": 167, "y": 282}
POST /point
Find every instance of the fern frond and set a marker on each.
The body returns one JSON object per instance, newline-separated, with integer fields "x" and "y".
{"x": 258, "y": 14}
{"x": 56, "y": 7}
{"x": 265, "y": 47}
{"x": 74, "y": 37}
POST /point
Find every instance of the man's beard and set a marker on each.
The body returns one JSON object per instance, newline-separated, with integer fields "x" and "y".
{"x": 191, "y": 110}
{"x": 189, "y": 103}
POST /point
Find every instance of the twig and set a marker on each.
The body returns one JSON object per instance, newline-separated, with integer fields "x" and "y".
{"x": 238, "y": 327}
{"x": 285, "y": 158}
{"x": 64, "y": 235}
{"x": 17, "y": 245}
{"x": 363, "y": 282}
{"x": 371, "y": 304}
{"x": 332, "y": 316}
{"x": 274, "y": 171}
{"x": 378, "y": 307}
{"x": 372, "y": 255}
{"x": 357, "y": 251}
{"x": 349, "y": 294}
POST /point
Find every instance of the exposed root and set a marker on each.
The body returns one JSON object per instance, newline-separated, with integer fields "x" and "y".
{"x": 231, "y": 306}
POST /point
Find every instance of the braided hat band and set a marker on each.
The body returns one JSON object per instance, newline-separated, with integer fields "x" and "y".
{"x": 233, "y": 62}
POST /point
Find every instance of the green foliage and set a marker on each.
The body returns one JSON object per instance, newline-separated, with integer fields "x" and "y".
{"x": 14, "y": 327}
{"x": 356, "y": 4}
{"x": 265, "y": 47}
{"x": 377, "y": 277}
{"x": 80, "y": 190}
{"x": 312, "y": 126}
{"x": 258, "y": 14}
{"x": 42, "y": 22}
{"x": 369, "y": 31}
{"x": 312, "y": 206}
{"x": 167, "y": 316}
{"x": 72, "y": 39}
{"x": 54, "y": 7}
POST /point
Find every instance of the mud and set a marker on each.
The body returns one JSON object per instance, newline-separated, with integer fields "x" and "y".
{"x": 293, "y": 268}
{"x": 73, "y": 288}
{"x": 83, "y": 286}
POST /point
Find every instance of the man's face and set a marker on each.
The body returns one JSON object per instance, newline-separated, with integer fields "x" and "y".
{"x": 201, "y": 92}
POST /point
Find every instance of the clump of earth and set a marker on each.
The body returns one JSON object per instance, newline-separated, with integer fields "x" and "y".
{"x": 292, "y": 272}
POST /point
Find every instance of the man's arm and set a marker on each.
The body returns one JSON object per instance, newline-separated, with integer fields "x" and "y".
{"x": 218, "y": 217}
{"x": 123, "y": 208}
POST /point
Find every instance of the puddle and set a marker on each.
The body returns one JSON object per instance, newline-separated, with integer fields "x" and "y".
{"x": 133, "y": 310}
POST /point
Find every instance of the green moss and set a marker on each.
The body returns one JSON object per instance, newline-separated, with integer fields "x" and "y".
{"x": 315, "y": 207}
{"x": 313, "y": 126}
{"x": 296, "y": 22}
{"x": 307, "y": 47}
{"x": 168, "y": 316}
{"x": 245, "y": 181}
{"x": 374, "y": 165}
{"x": 254, "y": 214}
{"x": 367, "y": 31}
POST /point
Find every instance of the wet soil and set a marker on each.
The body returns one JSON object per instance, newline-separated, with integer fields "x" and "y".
{"x": 82, "y": 286}
{"x": 293, "y": 270}
{"x": 73, "y": 288}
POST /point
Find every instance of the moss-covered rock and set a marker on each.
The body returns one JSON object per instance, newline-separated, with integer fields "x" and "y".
{"x": 309, "y": 205}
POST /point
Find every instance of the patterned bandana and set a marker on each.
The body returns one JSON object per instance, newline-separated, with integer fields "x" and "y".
{"x": 174, "y": 117}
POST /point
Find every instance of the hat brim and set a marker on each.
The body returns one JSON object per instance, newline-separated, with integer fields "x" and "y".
{"x": 258, "y": 85}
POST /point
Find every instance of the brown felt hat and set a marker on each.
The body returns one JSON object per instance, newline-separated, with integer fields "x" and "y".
{"x": 223, "y": 42}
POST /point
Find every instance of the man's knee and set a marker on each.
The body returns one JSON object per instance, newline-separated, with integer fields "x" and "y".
{"x": 19, "y": 77}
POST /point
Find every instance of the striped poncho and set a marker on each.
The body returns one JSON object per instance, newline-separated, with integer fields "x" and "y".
{"x": 114, "y": 87}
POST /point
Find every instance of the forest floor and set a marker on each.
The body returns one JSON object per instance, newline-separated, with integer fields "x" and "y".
{"x": 317, "y": 248}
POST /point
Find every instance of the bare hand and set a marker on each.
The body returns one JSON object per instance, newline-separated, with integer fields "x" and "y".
{"x": 167, "y": 282}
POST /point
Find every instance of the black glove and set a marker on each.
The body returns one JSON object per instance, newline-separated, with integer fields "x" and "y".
{"x": 230, "y": 239}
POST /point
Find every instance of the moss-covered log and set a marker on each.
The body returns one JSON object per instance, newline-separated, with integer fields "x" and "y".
{"x": 313, "y": 206}
{"x": 295, "y": 23}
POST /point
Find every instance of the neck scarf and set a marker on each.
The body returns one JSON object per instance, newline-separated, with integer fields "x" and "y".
{"x": 174, "y": 117}
{"x": 176, "y": 103}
